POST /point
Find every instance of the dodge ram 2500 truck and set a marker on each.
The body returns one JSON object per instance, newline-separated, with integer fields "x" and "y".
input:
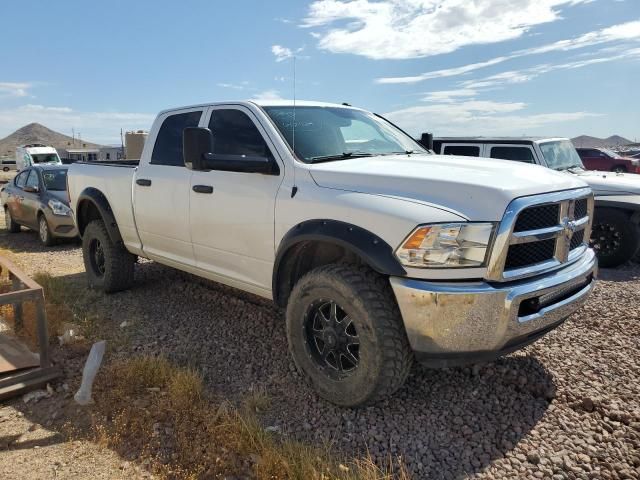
{"x": 381, "y": 252}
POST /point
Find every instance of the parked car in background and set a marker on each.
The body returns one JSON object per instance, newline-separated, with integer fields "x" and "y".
{"x": 7, "y": 164}
{"x": 380, "y": 251}
{"x": 607, "y": 160}
{"x": 37, "y": 199}
{"x": 34, "y": 154}
{"x": 616, "y": 228}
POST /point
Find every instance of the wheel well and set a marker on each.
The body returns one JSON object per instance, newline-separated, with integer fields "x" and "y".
{"x": 305, "y": 256}
{"x": 87, "y": 212}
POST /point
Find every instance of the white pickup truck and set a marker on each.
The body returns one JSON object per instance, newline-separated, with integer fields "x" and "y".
{"x": 381, "y": 252}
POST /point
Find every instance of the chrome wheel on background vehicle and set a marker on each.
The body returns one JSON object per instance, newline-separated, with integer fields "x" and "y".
{"x": 332, "y": 339}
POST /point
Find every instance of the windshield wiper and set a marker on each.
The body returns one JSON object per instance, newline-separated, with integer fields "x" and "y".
{"x": 340, "y": 156}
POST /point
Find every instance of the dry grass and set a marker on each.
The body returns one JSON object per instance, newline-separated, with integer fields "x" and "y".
{"x": 148, "y": 409}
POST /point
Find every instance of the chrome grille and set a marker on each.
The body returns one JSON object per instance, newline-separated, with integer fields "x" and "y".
{"x": 541, "y": 233}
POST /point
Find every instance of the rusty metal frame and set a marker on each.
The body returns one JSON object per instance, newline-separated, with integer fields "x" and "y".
{"x": 25, "y": 289}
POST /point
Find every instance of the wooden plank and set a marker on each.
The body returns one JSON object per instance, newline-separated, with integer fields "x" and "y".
{"x": 14, "y": 355}
{"x": 27, "y": 381}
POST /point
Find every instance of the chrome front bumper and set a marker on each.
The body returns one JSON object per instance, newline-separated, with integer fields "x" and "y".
{"x": 457, "y": 323}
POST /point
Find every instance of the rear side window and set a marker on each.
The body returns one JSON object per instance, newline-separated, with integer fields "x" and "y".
{"x": 32, "y": 180}
{"x": 21, "y": 179}
{"x": 168, "y": 147}
{"x": 234, "y": 133}
{"x": 464, "y": 150}
{"x": 519, "y": 154}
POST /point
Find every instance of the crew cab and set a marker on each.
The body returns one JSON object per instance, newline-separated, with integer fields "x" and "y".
{"x": 381, "y": 252}
{"x": 607, "y": 160}
{"x": 616, "y": 228}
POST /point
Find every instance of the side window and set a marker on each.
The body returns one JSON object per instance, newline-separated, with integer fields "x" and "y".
{"x": 234, "y": 133}
{"x": 168, "y": 147}
{"x": 32, "y": 179}
{"x": 464, "y": 150}
{"x": 21, "y": 179}
{"x": 519, "y": 154}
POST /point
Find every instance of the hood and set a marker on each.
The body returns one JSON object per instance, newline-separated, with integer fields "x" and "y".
{"x": 610, "y": 183}
{"x": 478, "y": 189}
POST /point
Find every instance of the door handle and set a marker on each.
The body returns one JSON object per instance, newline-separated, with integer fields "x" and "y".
{"x": 203, "y": 188}
{"x": 143, "y": 182}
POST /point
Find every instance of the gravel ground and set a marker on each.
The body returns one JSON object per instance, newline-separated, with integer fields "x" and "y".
{"x": 566, "y": 407}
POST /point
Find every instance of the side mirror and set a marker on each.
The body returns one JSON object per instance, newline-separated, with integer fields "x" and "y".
{"x": 196, "y": 143}
{"x": 30, "y": 189}
{"x": 426, "y": 139}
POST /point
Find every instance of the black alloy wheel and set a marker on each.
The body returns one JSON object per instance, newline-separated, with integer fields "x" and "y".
{"x": 97, "y": 257}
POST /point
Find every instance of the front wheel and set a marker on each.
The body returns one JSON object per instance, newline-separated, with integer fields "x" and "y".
{"x": 12, "y": 226}
{"x": 44, "y": 232}
{"x": 614, "y": 237}
{"x": 346, "y": 334}
{"x": 109, "y": 266}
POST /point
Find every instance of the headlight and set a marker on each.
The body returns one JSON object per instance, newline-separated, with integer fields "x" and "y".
{"x": 59, "y": 208}
{"x": 447, "y": 245}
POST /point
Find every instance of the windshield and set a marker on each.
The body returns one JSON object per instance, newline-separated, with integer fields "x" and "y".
{"x": 45, "y": 158}
{"x": 561, "y": 155}
{"x": 55, "y": 180}
{"x": 333, "y": 133}
{"x": 611, "y": 153}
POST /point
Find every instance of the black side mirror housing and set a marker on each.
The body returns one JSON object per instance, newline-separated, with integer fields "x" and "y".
{"x": 196, "y": 143}
{"x": 426, "y": 139}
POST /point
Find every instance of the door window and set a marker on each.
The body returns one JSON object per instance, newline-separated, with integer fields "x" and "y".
{"x": 168, "y": 147}
{"x": 234, "y": 133}
{"x": 21, "y": 179}
{"x": 32, "y": 179}
{"x": 519, "y": 154}
{"x": 464, "y": 150}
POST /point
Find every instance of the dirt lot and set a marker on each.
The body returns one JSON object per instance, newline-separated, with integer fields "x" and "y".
{"x": 566, "y": 407}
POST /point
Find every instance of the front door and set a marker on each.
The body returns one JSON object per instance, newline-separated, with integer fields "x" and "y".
{"x": 15, "y": 196}
{"x": 232, "y": 213}
{"x": 161, "y": 192}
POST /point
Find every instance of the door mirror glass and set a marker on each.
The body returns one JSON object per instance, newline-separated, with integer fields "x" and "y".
{"x": 196, "y": 143}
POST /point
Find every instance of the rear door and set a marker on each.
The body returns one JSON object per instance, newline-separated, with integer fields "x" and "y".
{"x": 15, "y": 196}
{"x": 31, "y": 200}
{"x": 232, "y": 213}
{"x": 162, "y": 189}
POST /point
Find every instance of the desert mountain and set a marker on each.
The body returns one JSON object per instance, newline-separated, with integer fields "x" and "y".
{"x": 612, "y": 141}
{"x": 36, "y": 133}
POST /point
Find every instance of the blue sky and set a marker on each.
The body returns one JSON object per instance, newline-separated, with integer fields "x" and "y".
{"x": 454, "y": 67}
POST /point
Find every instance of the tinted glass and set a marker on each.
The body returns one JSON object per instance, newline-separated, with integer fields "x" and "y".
{"x": 168, "y": 147}
{"x": 519, "y": 154}
{"x": 55, "y": 180}
{"x": 45, "y": 158}
{"x": 21, "y": 179}
{"x": 464, "y": 150}
{"x": 32, "y": 179}
{"x": 234, "y": 133}
{"x": 334, "y": 131}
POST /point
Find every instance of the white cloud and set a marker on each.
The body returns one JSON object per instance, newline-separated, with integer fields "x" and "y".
{"x": 268, "y": 95}
{"x": 478, "y": 118}
{"x": 281, "y": 53}
{"x": 100, "y": 127}
{"x": 232, "y": 86}
{"x": 14, "y": 89}
{"x": 629, "y": 31}
{"x": 394, "y": 29}
{"x": 449, "y": 95}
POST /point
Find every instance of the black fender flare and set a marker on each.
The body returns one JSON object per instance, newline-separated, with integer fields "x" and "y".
{"x": 630, "y": 203}
{"x": 373, "y": 250}
{"x": 93, "y": 196}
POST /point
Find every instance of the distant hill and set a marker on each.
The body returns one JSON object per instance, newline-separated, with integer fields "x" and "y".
{"x": 36, "y": 133}
{"x": 612, "y": 141}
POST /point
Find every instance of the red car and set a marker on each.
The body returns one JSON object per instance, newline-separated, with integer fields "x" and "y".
{"x": 606, "y": 160}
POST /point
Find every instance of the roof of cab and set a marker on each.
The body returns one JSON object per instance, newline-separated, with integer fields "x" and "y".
{"x": 263, "y": 103}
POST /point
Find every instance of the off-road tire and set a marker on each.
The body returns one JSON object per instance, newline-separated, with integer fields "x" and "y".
{"x": 118, "y": 262}
{"x": 45, "y": 236}
{"x": 626, "y": 232}
{"x": 11, "y": 226}
{"x": 385, "y": 357}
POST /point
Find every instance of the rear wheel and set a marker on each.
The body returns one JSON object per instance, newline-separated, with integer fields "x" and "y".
{"x": 12, "y": 226}
{"x": 5, "y": 169}
{"x": 109, "y": 266}
{"x": 619, "y": 169}
{"x": 44, "y": 232}
{"x": 614, "y": 237}
{"x": 346, "y": 334}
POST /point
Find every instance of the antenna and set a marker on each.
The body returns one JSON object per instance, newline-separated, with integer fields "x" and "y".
{"x": 294, "y": 189}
